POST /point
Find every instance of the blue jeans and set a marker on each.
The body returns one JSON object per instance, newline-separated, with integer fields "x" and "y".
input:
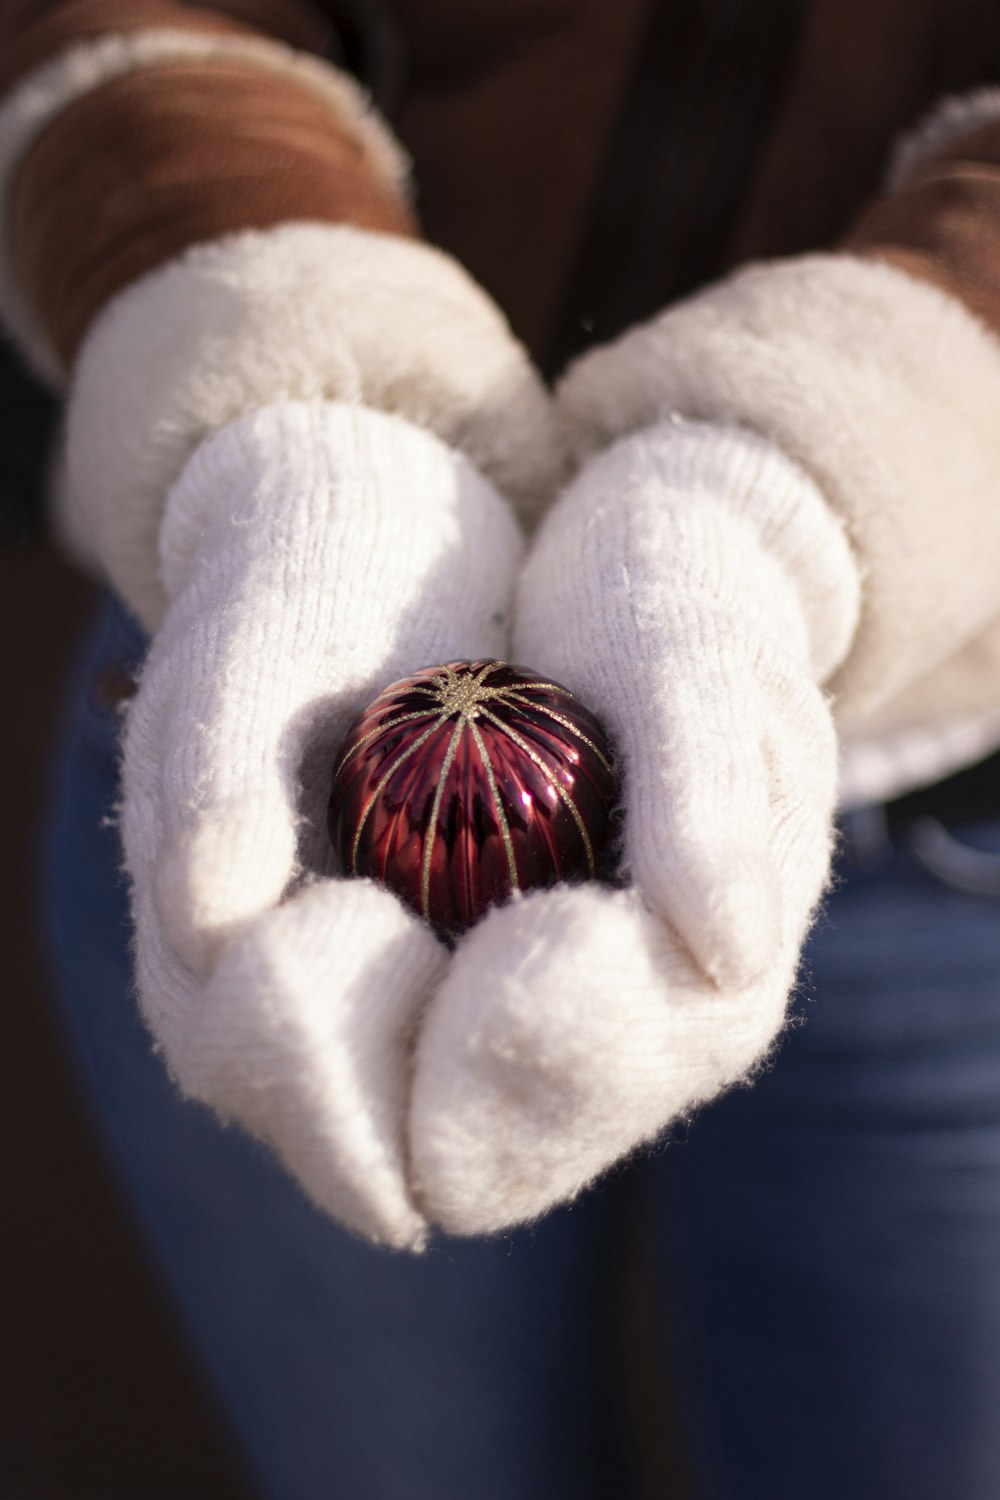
{"x": 825, "y": 1245}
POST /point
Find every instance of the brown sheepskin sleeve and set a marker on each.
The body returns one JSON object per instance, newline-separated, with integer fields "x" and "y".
{"x": 942, "y": 223}
{"x": 171, "y": 155}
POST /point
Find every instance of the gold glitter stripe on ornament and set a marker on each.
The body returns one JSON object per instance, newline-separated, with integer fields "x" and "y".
{"x": 560, "y": 789}
{"x": 554, "y": 687}
{"x": 419, "y": 713}
{"x": 431, "y": 831}
{"x": 386, "y": 692}
{"x": 541, "y": 708}
{"x": 379, "y": 788}
{"x": 504, "y": 825}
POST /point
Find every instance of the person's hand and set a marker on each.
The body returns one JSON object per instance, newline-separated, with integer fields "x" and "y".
{"x": 694, "y": 589}
{"x": 312, "y": 553}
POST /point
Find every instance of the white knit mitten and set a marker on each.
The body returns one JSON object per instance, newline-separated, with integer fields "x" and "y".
{"x": 311, "y": 554}
{"x": 694, "y": 589}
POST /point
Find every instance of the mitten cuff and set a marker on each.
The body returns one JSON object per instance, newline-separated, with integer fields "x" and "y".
{"x": 302, "y": 312}
{"x": 884, "y": 390}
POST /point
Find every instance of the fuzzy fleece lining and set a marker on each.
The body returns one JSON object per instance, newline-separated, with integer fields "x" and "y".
{"x": 950, "y": 118}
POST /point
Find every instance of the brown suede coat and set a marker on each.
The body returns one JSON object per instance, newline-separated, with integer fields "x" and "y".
{"x": 533, "y": 163}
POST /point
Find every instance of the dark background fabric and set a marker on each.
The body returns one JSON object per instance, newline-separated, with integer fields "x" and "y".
{"x": 99, "y": 1399}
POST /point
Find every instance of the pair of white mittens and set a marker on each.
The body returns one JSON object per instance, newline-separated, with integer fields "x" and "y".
{"x": 692, "y": 587}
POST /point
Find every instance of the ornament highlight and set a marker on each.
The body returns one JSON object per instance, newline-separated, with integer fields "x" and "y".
{"x": 469, "y": 781}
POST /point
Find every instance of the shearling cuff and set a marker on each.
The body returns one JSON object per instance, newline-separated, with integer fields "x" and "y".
{"x": 940, "y": 723}
{"x": 301, "y": 312}
{"x": 885, "y": 390}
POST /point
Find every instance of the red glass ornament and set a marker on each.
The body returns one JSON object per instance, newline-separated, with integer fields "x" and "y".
{"x": 468, "y": 781}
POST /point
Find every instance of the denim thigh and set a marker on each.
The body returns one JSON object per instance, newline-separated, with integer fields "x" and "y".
{"x": 828, "y": 1240}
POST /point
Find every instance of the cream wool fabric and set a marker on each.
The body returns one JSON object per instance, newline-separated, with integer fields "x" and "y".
{"x": 693, "y": 587}
{"x": 41, "y": 98}
{"x": 886, "y": 391}
{"x": 312, "y": 553}
{"x": 300, "y": 312}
